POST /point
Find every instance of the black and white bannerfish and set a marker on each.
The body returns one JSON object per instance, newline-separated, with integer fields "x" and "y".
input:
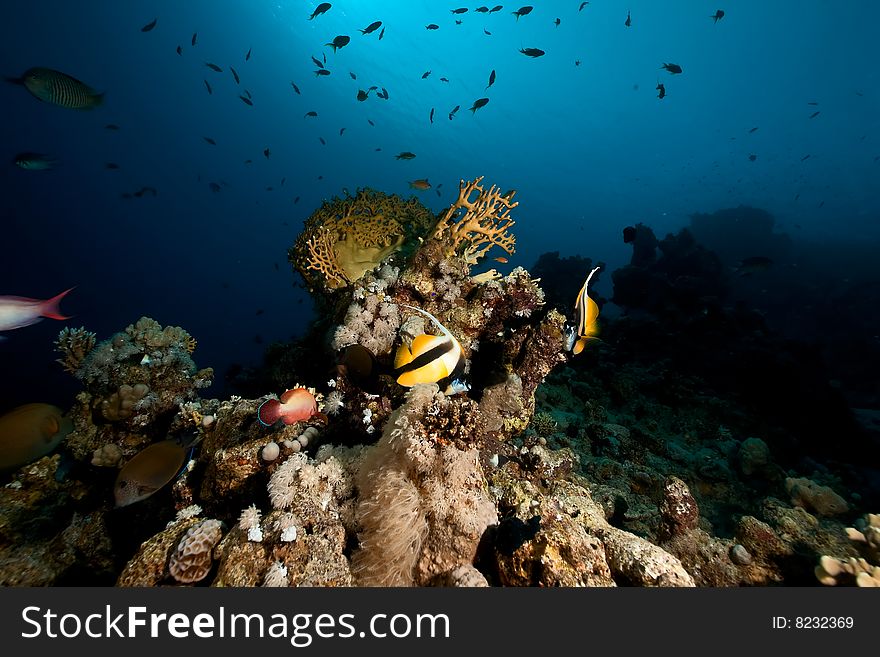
{"x": 431, "y": 358}
{"x": 587, "y": 313}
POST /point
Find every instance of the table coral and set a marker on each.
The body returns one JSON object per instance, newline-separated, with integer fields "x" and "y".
{"x": 347, "y": 237}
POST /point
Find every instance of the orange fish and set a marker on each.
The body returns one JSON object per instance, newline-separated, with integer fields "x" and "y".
{"x": 421, "y": 184}
{"x": 501, "y": 259}
{"x": 293, "y": 406}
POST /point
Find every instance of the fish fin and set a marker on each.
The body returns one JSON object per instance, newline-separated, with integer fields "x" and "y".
{"x": 402, "y": 357}
{"x": 49, "y": 308}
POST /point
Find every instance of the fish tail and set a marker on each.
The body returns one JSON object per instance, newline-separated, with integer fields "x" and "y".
{"x": 49, "y": 308}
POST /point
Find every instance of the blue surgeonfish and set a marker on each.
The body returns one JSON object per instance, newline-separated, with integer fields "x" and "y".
{"x": 430, "y": 358}
{"x": 587, "y": 313}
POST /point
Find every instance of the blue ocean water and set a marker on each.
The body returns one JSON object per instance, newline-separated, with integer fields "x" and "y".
{"x": 580, "y": 132}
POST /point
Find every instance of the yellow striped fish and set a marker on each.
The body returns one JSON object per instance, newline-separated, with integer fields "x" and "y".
{"x": 58, "y": 88}
{"x": 430, "y": 358}
{"x": 587, "y": 313}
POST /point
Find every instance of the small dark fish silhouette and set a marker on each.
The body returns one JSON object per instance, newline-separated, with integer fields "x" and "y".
{"x": 247, "y": 93}
{"x": 295, "y": 88}
{"x": 339, "y": 42}
{"x": 491, "y": 79}
{"x": 179, "y": 50}
{"x": 805, "y": 157}
{"x": 672, "y": 68}
{"x": 454, "y": 110}
{"x": 195, "y": 34}
{"x": 426, "y": 74}
{"x": 321, "y": 139}
{"x": 371, "y": 123}
{"x": 381, "y": 34}
{"x": 460, "y": 10}
{"x": 296, "y": 200}
{"x": 480, "y": 102}
{"x": 246, "y": 100}
{"x": 267, "y": 153}
{"x": 753, "y": 130}
{"x": 110, "y": 166}
{"x": 248, "y": 56}
{"x": 661, "y": 90}
{"x": 384, "y": 93}
{"x": 320, "y": 9}
{"x": 149, "y": 26}
{"x": 557, "y": 22}
{"x": 322, "y": 71}
{"x": 532, "y": 52}
{"x": 432, "y": 26}
{"x": 482, "y": 10}
{"x": 444, "y": 79}
{"x": 111, "y": 126}
{"x": 234, "y": 74}
{"x": 717, "y": 16}
{"x": 208, "y": 87}
{"x": 458, "y": 22}
{"x": 404, "y": 155}
{"x": 814, "y": 114}
{"x": 495, "y": 8}
{"x": 317, "y": 62}
{"x": 583, "y": 4}
{"x": 362, "y": 95}
{"x": 341, "y": 131}
{"x": 522, "y": 11}
{"x": 628, "y": 22}
{"x": 210, "y": 141}
{"x": 485, "y": 31}
{"x": 752, "y": 157}
{"x": 431, "y": 116}
{"x": 372, "y": 27}
{"x": 213, "y": 67}
{"x": 311, "y": 113}
{"x": 352, "y": 75}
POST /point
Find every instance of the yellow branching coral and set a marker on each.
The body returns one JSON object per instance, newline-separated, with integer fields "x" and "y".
{"x": 73, "y": 345}
{"x": 470, "y": 228}
{"x": 347, "y": 237}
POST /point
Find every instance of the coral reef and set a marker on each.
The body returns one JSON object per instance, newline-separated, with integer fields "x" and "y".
{"x": 863, "y": 569}
{"x": 74, "y": 345}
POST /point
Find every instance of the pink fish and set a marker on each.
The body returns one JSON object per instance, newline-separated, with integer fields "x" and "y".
{"x": 16, "y": 312}
{"x": 294, "y": 406}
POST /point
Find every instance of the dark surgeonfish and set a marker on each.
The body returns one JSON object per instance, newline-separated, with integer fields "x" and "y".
{"x": 429, "y": 358}
{"x": 58, "y": 88}
{"x": 149, "y": 470}
{"x": 587, "y": 313}
{"x": 34, "y": 161}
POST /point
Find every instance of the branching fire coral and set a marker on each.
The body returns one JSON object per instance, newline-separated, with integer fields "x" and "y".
{"x": 347, "y": 237}
{"x": 485, "y": 222}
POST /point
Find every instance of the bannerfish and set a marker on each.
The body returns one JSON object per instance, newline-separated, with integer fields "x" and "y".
{"x": 339, "y": 42}
{"x": 29, "y": 432}
{"x": 34, "y": 161}
{"x": 294, "y": 405}
{"x": 58, "y": 88}
{"x": 532, "y": 52}
{"x": 320, "y": 9}
{"x": 420, "y": 184}
{"x": 429, "y": 358}
{"x": 587, "y": 312}
{"x": 522, "y": 11}
{"x": 18, "y": 312}
{"x": 672, "y": 68}
{"x": 149, "y": 470}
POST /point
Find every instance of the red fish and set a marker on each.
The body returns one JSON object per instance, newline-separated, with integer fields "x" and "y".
{"x": 16, "y": 312}
{"x": 294, "y": 406}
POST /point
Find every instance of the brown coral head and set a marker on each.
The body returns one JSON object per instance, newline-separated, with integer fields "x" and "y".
{"x": 192, "y": 559}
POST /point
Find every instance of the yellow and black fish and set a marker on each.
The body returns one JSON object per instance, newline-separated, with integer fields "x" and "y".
{"x": 429, "y": 358}
{"x": 587, "y": 313}
{"x": 58, "y": 88}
